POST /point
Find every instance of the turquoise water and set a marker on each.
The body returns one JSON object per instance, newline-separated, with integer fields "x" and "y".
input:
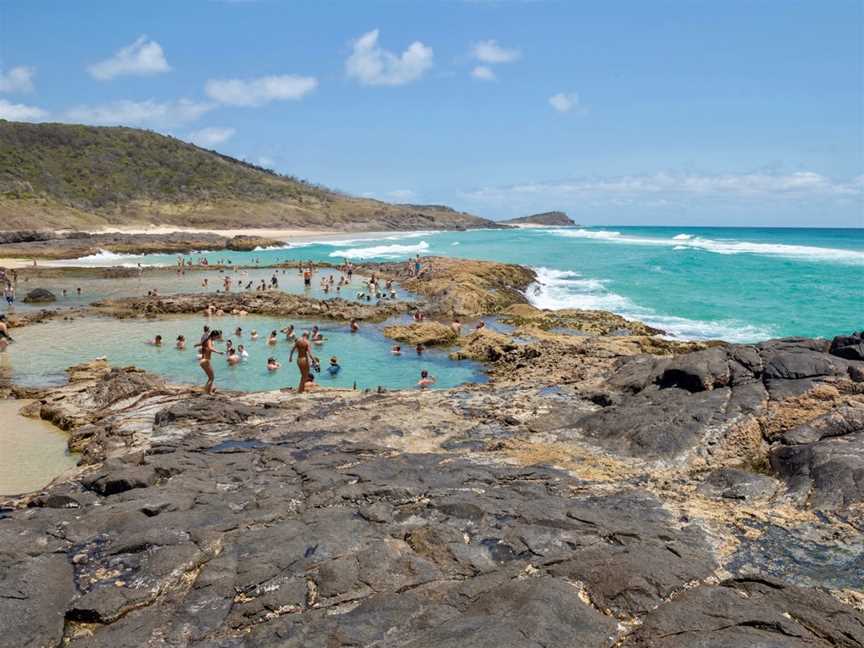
{"x": 42, "y": 352}
{"x": 738, "y": 284}
{"x": 96, "y": 289}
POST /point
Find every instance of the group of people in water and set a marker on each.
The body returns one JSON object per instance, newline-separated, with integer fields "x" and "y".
{"x": 307, "y": 361}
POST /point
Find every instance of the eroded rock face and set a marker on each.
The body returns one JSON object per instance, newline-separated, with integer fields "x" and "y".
{"x": 425, "y": 333}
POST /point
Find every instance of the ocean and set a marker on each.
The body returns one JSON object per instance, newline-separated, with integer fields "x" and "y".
{"x": 735, "y": 284}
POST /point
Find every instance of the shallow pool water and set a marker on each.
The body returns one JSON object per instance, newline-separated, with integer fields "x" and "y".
{"x": 32, "y": 452}
{"x": 42, "y": 352}
{"x": 96, "y": 289}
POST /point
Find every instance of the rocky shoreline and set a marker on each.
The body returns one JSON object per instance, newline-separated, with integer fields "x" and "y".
{"x": 608, "y": 488}
{"x": 38, "y": 244}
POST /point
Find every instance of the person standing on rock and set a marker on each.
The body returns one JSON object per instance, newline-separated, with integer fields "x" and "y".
{"x": 207, "y": 350}
{"x": 305, "y": 359}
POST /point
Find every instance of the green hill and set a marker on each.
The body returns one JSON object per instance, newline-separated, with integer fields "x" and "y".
{"x": 71, "y": 176}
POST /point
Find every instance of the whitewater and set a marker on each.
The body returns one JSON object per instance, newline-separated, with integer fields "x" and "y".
{"x": 735, "y": 284}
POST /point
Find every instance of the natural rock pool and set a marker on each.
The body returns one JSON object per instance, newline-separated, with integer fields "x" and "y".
{"x": 32, "y": 452}
{"x": 42, "y": 352}
{"x": 95, "y": 288}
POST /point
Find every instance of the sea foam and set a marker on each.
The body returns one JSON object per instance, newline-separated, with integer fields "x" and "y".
{"x": 557, "y": 289}
{"x": 381, "y": 251}
{"x": 731, "y": 246}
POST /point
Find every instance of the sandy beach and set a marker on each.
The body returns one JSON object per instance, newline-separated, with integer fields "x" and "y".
{"x": 15, "y": 263}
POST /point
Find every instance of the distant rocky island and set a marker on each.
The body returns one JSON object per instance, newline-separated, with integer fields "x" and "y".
{"x": 67, "y": 176}
{"x": 554, "y": 218}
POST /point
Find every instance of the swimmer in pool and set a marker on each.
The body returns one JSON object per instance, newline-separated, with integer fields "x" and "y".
{"x": 419, "y": 349}
{"x": 289, "y": 332}
{"x": 272, "y": 339}
{"x": 238, "y": 332}
{"x": 181, "y": 342}
{"x": 396, "y": 350}
{"x": 305, "y": 359}
{"x": 253, "y": 335}
{"x": 207, "y": 350}
{"x": 334, "y": 367}
{"x": 426, "y": 380}
{"x": 316, "y": 336}
{"x": 156, "y": 341}
{"x": 242, "y": 352}
{"x": 354, "y": 326}
{"x": 272, "y": 364}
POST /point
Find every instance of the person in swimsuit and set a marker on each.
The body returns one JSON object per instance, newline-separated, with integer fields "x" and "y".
{"x": 305, "y": 359}
{"x": 5, "y": 338}
{"x": 272, "y": 364}
{"x": 426, "y": 380}
{"x": 289, "y": 332}
{"x": 354, "y": 326}
{"x": 207, "y": 350}
{"x": 156, "y": 341}
{"x": 181, "y": 342}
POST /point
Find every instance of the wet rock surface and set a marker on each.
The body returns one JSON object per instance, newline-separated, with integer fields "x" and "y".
{"x": 708, "y": 498}
{"x": 39, "y": 296}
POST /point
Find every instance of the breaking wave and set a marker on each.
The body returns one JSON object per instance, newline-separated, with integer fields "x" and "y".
{"x": 556, "y": 289}
{"x": 103, "y": 258}
{"x": 688, "y": 241}
{"x": 381, "y": 251}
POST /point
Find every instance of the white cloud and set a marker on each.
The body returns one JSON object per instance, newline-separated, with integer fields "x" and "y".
{"x": 20, "y": 112}
{"x": 401, "y": 194}
{"x": 797, "y": 185}
{"x": 17, "y": 79}
{"x": 211, "y": 136}
{"x": 564, "y": 101}
{"x": 490, "y": 51}
{"x": 256, "y": 92}
{"x": 140, "y": 113}
{"x": 372, "y": 65}
{"x": 141, "y": 58}
{"x": 483, "y": 72}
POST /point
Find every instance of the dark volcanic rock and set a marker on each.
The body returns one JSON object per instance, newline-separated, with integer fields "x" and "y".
{"x": 850, "y": 347}
{"x": 731, "y": 483}
{"x": 267, "y": 542}
{"x": 208, "y": 410}
{"x": 823, "y": 461}
{"x": 670, "y": 405}
{"x": 34, "y": 595}
{"x": 39, "y": 296}
{"x": 757, "y": 612}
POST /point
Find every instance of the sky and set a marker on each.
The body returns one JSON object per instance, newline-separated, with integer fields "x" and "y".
{"x": 692, "y": 112}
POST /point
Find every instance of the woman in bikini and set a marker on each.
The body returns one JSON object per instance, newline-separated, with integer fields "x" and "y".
{"x": 304, "y": 360}
{"x": 207, "y": 350}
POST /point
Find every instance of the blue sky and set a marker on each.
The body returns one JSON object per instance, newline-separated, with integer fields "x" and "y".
{"x": 688, "y": 112}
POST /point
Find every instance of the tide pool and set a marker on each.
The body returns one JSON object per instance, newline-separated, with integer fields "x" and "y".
{"x": 42, "y": 352}
{"x": 737, "y": 284}
{"x": 94, "y": 289}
